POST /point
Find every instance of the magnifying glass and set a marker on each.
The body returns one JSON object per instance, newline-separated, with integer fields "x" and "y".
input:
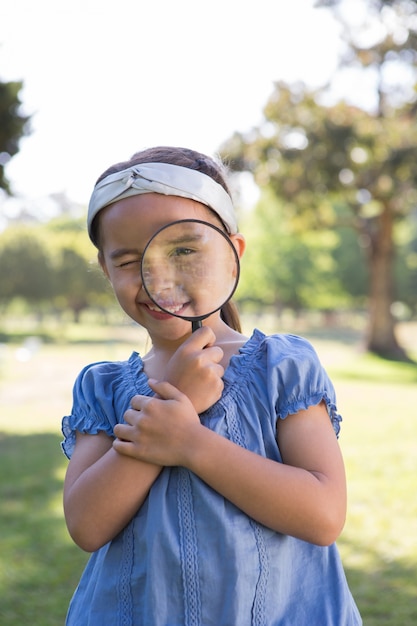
{"x": 190, "y": 269}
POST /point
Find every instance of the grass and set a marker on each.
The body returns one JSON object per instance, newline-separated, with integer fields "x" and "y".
{"x": 40, "y": 566}
{"x": 379, "y": 443}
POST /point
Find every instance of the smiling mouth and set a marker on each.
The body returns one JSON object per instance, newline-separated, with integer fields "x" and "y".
{"x": 172, "y": 308}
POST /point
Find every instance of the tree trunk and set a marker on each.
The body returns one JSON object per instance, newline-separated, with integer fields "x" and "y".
{"x": 381, "y": 338}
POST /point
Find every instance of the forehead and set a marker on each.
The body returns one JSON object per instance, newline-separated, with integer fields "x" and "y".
{"x": 142, "y": 215}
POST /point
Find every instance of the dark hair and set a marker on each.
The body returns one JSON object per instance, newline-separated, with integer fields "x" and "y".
{"x": 184, "y": 157}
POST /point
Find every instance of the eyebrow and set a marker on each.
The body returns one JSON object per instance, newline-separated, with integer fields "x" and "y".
{"x": 120, "y": 252}
{"x": 181, "y": 239}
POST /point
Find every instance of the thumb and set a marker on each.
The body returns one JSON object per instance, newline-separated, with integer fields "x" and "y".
{"x": 202, "y": 338}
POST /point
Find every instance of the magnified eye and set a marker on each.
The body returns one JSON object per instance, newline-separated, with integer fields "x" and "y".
{"x": 182, "y": 251}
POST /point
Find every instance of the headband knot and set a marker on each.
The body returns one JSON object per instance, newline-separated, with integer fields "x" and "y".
{"x": 128, "y": 180}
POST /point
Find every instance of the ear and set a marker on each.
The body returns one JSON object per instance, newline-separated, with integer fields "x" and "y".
{"x": 239, "y": 243}
{"x": 102, "y": 262}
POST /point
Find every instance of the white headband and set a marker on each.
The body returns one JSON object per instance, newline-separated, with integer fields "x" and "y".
{"x": 167, "y": 179}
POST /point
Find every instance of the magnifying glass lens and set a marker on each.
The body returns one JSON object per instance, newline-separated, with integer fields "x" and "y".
{"x": 190, "y": 269}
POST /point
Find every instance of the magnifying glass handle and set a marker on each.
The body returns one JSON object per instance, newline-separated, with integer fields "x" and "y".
{"x": 195, "y": 324}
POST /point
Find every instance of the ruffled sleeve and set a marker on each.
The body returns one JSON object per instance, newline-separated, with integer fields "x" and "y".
{"x": 101, "y": 395}
{"x": 298, "y": 379}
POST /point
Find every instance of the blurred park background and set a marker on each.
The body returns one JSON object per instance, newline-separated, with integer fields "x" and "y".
{"x": 326, "y": 190}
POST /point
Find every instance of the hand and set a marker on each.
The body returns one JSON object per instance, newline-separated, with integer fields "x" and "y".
{"x": 158, "y": 430}
{"x": 195, "y": 369}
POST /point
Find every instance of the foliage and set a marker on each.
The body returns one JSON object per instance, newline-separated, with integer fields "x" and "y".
{"x": 406, "y": 264}
{"x": 53, "y": 266}
{"x": 350, "y": 264}
{"x": 13, "y": 126}
{"x": 287, "y": 268}
{"x": 50, "y": 267}
{"x": 80, "y": 282}
{"x": 340, "y": 165}
{"x": 26, "y": 269}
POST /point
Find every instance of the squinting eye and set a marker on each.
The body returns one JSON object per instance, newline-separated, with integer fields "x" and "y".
{"x": 127, "y": 263}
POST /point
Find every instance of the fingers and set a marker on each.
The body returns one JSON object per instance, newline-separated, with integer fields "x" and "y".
{"x": 138, "y": 403}
{"x": 203, "y": 337}
{"x": 132, "y": 417}
{"x": 215, "y": 353}
{"x": 128, "y": 433}
{"x": 156, "y": 429}
{"x": 124, "y": 432}
{"x": 125, "y": 447}
{"x": 164, "y": 390}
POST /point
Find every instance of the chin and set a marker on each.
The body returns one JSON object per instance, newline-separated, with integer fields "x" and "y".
{"x": 169, "y": 330}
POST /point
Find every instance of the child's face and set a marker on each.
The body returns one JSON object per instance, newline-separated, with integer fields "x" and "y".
{"x": 189, "y": 268}
{"x": 126, "y": 227}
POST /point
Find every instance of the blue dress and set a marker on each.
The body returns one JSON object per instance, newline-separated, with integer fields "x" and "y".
{"x": 189, "y": 557}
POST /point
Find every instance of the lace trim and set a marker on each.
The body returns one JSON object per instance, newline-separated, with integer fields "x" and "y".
{"x": 124, "y": 589}
{"x": 236, "y": 435}
{"x": 188, "y": 550}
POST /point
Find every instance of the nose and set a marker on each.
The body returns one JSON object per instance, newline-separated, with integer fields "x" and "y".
{"x": 158, "y": 277}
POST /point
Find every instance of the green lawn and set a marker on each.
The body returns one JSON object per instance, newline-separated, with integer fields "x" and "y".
{"x": 39, "y": 565}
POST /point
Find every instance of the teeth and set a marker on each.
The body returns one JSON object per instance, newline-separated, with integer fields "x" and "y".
{"x": 171, "y": 309}
{"x": 174, "y": 309}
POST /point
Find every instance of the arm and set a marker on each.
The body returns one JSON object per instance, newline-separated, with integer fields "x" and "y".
{"x": 102, "y": 490}
{"x": 304, "y": 497}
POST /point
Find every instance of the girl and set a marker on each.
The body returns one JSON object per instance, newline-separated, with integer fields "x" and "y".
{"x": 205, "y": 477}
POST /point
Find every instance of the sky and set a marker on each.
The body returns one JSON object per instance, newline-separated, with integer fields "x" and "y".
{"x": 104, "y": 79}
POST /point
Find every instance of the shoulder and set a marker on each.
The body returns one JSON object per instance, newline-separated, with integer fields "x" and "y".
{"x": 278, "y": 349}
{"x": 290, "y": 344}
{"x": 106, "y": 375}
{"x": 294, "y": 359}
{"x": 281, "y": 361}
{"x": 288, "y": 367}
{"x": 106, "y": 387}
{"x": 101, "y": 394}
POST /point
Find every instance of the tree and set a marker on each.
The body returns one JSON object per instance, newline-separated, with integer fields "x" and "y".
{"x": 79, "y": 282}
{"x": 406, "y": 268}
{"x": 285, "y": 267}
{"x": 51, "y": 266}
{"x": 340, "y": 164}
{"x": 13, "y": 126}
{"x": 26, "y": 269}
